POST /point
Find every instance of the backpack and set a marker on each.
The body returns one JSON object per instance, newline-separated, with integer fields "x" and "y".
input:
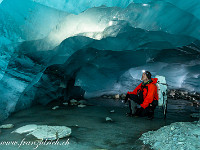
{"x": 162, "y": 90}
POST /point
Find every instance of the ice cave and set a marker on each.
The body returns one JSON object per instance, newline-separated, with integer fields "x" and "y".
{"x": 66, "y": 67}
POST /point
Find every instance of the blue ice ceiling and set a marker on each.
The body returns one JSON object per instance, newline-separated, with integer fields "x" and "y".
{"x": 92, "y": 48}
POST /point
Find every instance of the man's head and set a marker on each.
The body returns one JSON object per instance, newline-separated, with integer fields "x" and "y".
{"x": 146, "y": 76}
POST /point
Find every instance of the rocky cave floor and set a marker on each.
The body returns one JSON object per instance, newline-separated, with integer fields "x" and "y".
{"x": 90, "y": 130}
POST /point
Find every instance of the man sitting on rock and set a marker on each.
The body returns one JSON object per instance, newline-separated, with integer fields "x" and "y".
{"x": 144, "y": 98}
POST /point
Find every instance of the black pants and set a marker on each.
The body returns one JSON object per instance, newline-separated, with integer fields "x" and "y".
{"x": 136, "y": 98}
{"x": 148, "y": 111}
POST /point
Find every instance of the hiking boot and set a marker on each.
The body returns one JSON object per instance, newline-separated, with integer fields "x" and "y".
{"x": 135, "y": 115}
{"x": 150, "y": 117}
{"x": 129, "y": 114}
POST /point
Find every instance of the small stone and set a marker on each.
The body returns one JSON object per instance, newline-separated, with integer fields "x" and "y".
{"x": 117, "y": 96}
{"x": 112, "y": 111}
{"x": 66, "y": 103}
{"x": 6, "y": 126}
{"x": 81, "y": 106}
{"x": 83, "y": 102}
{"x": 172, "y": 93}
{"x": 73, "y": 102}
{"x": 108, "y": 119}
{"x": 55, "y": 107}
{"x": 104, "y": 96}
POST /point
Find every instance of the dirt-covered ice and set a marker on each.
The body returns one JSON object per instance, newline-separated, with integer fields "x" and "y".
{"x": 178, "y": 135}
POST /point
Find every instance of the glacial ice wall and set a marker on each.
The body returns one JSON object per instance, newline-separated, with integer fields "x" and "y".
{"x": 47, "y": 53}
{"x": 155, "y": 16}
{"x": 76, "y": 7}
{"x": 25, "y": 20}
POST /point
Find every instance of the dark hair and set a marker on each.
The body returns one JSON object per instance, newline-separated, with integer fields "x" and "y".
{"x": 148, "y": 74}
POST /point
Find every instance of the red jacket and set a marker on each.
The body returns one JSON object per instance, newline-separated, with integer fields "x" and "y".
{"x": 149, "y": 95}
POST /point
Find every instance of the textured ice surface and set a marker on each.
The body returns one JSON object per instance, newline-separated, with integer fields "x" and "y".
{"x": 77, "y": 7}
{"x": 192, "y": 6}
{"x": 157, "y": 16}
{"x": 45, "y": 132}
{"x": 179, "y": 135}
{"x": 24, "y": 19}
